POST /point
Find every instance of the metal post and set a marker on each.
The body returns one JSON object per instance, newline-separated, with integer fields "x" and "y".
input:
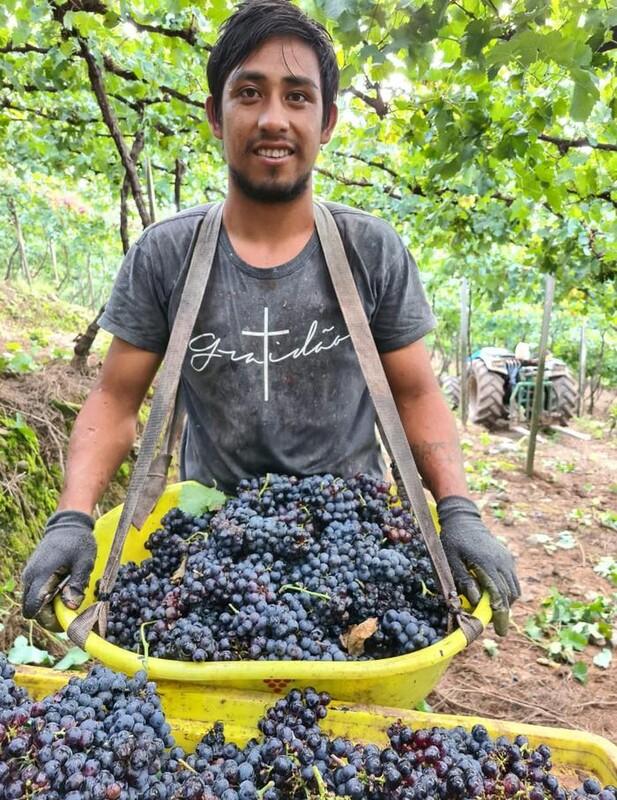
{"x": 463, "y": 340}
{"x": 582, "y": 369}
{"x": 538, "y": 396}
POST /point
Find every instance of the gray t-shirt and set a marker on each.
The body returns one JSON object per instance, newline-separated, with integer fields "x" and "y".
{"x": 271, "y": 382}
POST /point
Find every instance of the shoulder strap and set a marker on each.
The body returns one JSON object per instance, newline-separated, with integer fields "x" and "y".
{"x": 387, "y": 413}
{"x": 162, "y": 404}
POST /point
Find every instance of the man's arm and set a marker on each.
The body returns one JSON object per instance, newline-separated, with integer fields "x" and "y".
{"x": 105, "y": 428}
{"x": 478, "y": 561}
{"x": 427, "y": 420}
{"x": 102, "y": 437}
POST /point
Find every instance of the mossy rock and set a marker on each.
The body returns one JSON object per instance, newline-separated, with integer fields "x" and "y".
{"x": 28, "y": 496}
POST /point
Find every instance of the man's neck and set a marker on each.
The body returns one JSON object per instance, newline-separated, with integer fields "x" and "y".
{"x": 248, "y": 220}
{"x": 270, "y": 233}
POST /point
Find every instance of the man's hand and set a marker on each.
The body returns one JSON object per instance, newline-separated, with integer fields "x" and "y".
{"x": 477, "y": 560}
{"x": 67, "y": 548}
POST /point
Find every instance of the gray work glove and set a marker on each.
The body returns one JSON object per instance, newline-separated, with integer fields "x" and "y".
{"x": 477, "y": 560}
{"x": 68, "y": 549}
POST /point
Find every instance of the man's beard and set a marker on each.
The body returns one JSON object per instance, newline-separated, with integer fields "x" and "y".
{"x": 270, "y": 193}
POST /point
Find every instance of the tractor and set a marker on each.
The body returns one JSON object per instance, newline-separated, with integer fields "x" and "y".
{"x": 501, "y": 387}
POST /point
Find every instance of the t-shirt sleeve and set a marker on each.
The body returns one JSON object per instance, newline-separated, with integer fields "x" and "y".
{"x": 136, "y": 310}
{"x": 402, "y": 314}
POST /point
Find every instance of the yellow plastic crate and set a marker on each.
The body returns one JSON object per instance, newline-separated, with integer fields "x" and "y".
{"x": 401, "y": 682}
{"x": 192, "y": 709}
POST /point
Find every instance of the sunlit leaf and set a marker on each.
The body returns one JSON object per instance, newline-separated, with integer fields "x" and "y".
{"x": 580, "y": 671}
{"x": 603, "y": 658}
{"x": 23, "y": 653}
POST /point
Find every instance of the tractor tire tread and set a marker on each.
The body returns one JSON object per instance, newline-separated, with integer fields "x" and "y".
{"x": 451, "y": 387}
{"x": 567, "y": 396}
{"x": 486, "y": 405}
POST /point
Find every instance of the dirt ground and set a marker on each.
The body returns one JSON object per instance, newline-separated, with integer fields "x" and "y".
{"x": 574, "y": 490}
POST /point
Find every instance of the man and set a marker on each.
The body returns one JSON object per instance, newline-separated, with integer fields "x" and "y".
{"x": 271, "y": 381}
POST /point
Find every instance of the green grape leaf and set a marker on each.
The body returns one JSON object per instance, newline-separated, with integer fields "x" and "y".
{"x": 23, "y": 653}
{"x": 195, "y": 498}
{"x": 584, "y": 95}
{"x": 75, "y": 657}
{"x": 579, "y": 671}
{"x": 603, "y": 659}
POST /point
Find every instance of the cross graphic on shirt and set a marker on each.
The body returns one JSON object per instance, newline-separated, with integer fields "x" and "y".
{"x": 266, "y": 357}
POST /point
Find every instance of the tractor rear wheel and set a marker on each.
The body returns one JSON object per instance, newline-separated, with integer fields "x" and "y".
{"x": 486, "y": 391}
{"x": 566, "y": 394}
{"x": 451, "y": 387}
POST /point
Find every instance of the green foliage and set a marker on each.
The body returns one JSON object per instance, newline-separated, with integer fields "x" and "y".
{"x": 480, "y": 476}
{"x": 28, "y": 495}
{"x": 16, "y": 361}
{"x": 565, "y": 540}
{"x": 83, "y": 236}
{"x": 24, "y": 652}
{"x": 38, "y": 316}
{"x": 560, "y": 465}
{"x": 196, "y": 498}
{"x": 491, "y": 648}
{"x": 488, "y": 138}
{"x": 566, "y": 628}
{"x": 608, "y": 519}
{"x": 74, "y": 657}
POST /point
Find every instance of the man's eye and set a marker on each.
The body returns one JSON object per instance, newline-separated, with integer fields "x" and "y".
{"x": 298, "y": 97}
{"x": 249, "y": 92}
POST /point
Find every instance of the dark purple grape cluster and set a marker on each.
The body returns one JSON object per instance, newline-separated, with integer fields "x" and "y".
{"x": 104, "y": 737}
{"x": 282, "y": 572}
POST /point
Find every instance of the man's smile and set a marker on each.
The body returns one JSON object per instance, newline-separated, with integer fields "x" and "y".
{"x": 274, "y": 153}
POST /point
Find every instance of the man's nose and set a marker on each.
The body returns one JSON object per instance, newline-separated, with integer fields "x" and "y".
{"x": 273, "y": 117}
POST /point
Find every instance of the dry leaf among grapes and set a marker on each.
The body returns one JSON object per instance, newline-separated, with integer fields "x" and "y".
{"x": 179, "y": 573}
{"x": 353, "y": 639}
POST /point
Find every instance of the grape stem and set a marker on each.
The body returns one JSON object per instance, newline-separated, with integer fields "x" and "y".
{"x": 291, "y": 587}
{"x": 321, "y": 786}
{"x": 264, "y": 789}
{"x": 195, "y": 535}
{"x": 144, "y": 642}
{"x": 265, "y": 486}
{"x": 425, "y": 590}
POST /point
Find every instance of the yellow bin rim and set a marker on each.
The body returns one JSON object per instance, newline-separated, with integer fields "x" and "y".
{"x": 214, "y": 671}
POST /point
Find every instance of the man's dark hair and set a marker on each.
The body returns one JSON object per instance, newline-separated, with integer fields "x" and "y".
{"x": 255, "y": 21}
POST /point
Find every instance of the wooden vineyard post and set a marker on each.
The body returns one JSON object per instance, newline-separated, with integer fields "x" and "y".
{"x": 582, "y": 369}
{"x": 23, "y": 255}
{"x": 463, "y": 340}
{"x": 150, "y": 186}
{"x": 179, "y": 171}
{"x": 538, "y": 395}
{"x": 91, "y": 301}
{"x": 54, "y": 261}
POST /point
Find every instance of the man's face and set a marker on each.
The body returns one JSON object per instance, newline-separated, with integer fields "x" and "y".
{"x": 271, "y": 120}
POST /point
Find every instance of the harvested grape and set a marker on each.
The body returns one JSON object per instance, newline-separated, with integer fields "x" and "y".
{"x": 104, "y": 737}
{"x": 284, "y": 571}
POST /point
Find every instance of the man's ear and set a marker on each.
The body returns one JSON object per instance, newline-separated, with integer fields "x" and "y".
{"x": 215, "y": 125}
{"x": 326, "y": 133}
